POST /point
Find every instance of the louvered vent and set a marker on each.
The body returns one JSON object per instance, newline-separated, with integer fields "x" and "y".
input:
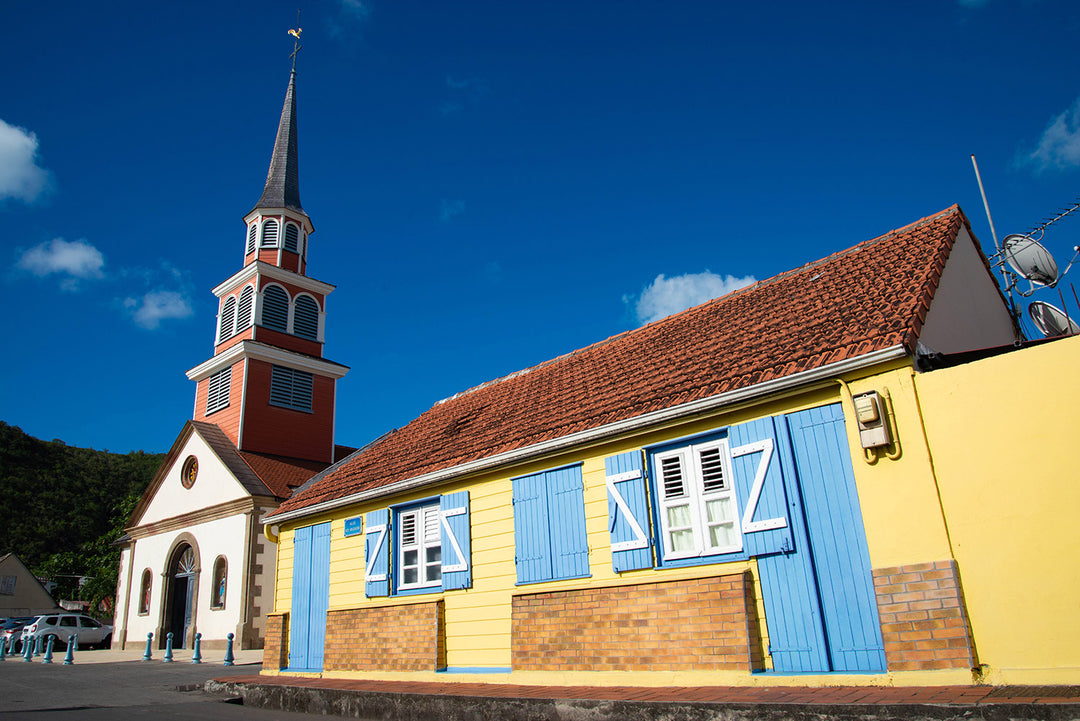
{"x": 290, "y": 388}
{"x": 292, "y": 234}
{"x": 712, "y": 470}
{"x": 408, "y": 529}
{"x": 306, "y": 318}
{"x": 228, "y": 318}
{"x": 252, "y": 232}
{"x": 431, "y": 526}
{"x": 275, "y": 308}
{"x": 269, "y": 235}
{"x": 217, "y": 394}
{"x": 244, "y": 308}
{"x": 671, "y": 471}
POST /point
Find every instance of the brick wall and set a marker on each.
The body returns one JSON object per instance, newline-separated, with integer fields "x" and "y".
{"x": 275, "y": 648}
{"x": 411, "y": 637}
{"x": 923, "y": 619}
{"x": 702, "y": 624}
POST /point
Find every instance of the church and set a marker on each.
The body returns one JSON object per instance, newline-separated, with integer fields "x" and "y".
{"x": 193, "y": 558}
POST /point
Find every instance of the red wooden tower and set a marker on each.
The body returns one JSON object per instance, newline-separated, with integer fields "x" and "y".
{"x": 267, "y": 385}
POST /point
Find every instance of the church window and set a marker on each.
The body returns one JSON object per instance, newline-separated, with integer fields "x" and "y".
{"x": 217, "y": 591}
{"x": 275, "y": 308}
{"x": 291, "y": 388}
{"x": 144, "y": 592}
{"x": 227, "y": 318}
{"x": 252, "y": 232}
{"x": 269, "y": 234}
{"x": 292, "y": 235}
{"x": 306, "y": 318}
{"x": 244, "y": 309}
{"x": 217, "y": 393}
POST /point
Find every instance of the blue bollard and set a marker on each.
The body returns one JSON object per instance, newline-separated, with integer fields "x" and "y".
{"x": 228, "y": 651}
{"x": 28, "y": 651}
{"x": 3, "y": 648}
{"x": 168, "y": 648}
{"x": 147, "y": 655}
{"x": 48, "y": 650}
{"x": 69, "y": 657}
{"x": 37, "y": 646}
{"x": 196, "y": 657}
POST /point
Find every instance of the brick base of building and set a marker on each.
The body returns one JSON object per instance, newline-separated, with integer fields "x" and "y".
{"x": 923, "y": 618}
{"x": 410, "y": 637}
{"x": 276, "y": 646}
{"x": 695, "y": 624}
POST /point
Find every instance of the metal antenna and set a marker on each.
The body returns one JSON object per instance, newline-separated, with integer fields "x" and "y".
{"x": 993, "y": 233}
{"x": 296, "y": 43}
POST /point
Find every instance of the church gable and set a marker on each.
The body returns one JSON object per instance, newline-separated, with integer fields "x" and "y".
{"x": 193, "y": 477}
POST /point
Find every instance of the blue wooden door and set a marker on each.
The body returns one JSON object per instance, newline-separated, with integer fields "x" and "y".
{"x": 837, "y": 539}
{"x": 310, "y": 597}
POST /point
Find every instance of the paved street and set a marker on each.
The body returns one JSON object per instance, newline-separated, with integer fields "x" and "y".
{"x": 107, "y": 685}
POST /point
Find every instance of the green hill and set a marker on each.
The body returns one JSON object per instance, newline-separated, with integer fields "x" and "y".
{"x": 61, "y": 509}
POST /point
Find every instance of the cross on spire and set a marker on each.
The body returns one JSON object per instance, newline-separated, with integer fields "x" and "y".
{"x": 296, "y": 40}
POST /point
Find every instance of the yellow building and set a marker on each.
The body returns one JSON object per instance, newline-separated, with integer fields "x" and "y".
{"x": 758, "y": 487}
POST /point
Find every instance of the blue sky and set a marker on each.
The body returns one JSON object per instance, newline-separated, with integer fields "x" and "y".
{"x": 492, "y": 184}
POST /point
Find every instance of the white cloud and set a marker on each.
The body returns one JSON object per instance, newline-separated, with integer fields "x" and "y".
{"x": 77, "y": 260}
{"x": 1059, "y": 145}
{"x": 665, "y": 296}
{"x": 156, "y": 306}
{"x": 21, "y": 178}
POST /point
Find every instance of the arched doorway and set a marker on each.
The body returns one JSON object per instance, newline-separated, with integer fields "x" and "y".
{"x": 181, "y": 582}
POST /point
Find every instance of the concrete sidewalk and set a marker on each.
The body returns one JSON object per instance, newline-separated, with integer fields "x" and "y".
{"x": 406, "y": 701}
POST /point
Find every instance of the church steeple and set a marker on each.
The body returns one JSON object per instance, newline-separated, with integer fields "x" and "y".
{"x": 283, "y": 180}
{"x": 267, "y": 385}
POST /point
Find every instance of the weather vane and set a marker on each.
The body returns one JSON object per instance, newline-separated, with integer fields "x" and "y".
{"x": 296, "y": 40}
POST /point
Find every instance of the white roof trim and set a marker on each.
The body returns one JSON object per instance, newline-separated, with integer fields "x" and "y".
{"x": 270, "y": 354}
{"x": 259, "y": 267}
{"x": 698, "y": 407}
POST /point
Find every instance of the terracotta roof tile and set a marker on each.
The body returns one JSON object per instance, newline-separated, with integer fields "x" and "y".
{"x": 866, "y": 298}
{"x": 280, "y": 474}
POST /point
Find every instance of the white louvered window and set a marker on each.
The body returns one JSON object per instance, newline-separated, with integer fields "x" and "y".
{"x": 419, "y": 547}
{"x": 275, "y": 308}
{"x": 306, "y": 318}
{"x": 291, "y": 388}
{"x": 253, "y": 230}
{"x": 217, "y": 393}
{"x": 698, "y": 512}
{"x": 226, "y": 322}
{"x": 269, "y": 234}
{"x": 244, "y": 309}
{"x": 292, "y": 235}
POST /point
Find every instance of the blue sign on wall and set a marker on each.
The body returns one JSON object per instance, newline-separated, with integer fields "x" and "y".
{"x": 352, "y": 526}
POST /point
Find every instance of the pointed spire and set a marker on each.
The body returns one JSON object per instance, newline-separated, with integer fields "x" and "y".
{"x": 283, "y": 181}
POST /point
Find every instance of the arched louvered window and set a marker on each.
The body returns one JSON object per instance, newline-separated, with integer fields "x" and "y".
{"x": 227, "y": 319}
{"x": 244, "y": 308}
{"x": 292, "y": 235}
{"x": 275, "y": 308}
{"x": 306, "y": 318}
{"x": 252, "y": 232}
{"x": 269, "y": 235}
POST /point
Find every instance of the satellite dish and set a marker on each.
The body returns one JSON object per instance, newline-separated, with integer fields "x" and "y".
{"x": 1051, "y": 321}
{"x": 1030, "y": 259}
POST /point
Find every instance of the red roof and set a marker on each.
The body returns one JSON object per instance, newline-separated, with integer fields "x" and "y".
{"x": 280, "y": 474}
{"x": 867, "y": 298}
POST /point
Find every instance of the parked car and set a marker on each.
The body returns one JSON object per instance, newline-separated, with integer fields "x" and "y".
{"x": 11, "y": 633}
{"x": 61, "y": 626}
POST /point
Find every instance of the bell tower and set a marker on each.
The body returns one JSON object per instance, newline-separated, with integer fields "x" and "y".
{"x": 267, "y": 385}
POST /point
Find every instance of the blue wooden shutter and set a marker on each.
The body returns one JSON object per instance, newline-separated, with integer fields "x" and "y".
{"x": 837, "y": 538}
{"x": 299, "y": 616}
{"x": 628, "y": 512}
{"x": 569, "y": 545}
{"x": 377, "y": 553}
{"x": 320, "y": 594}
{"x": 456, "y": 545}
{"x": 759, "y": 487}
{"x": 532, "y": 550}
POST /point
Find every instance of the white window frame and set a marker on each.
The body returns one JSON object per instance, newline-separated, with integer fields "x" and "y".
{"x": 426, "y": 535}
{"x": 696, "y": 499}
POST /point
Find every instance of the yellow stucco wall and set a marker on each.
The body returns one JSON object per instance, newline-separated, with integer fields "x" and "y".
{"x": 1005, "y": 440}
